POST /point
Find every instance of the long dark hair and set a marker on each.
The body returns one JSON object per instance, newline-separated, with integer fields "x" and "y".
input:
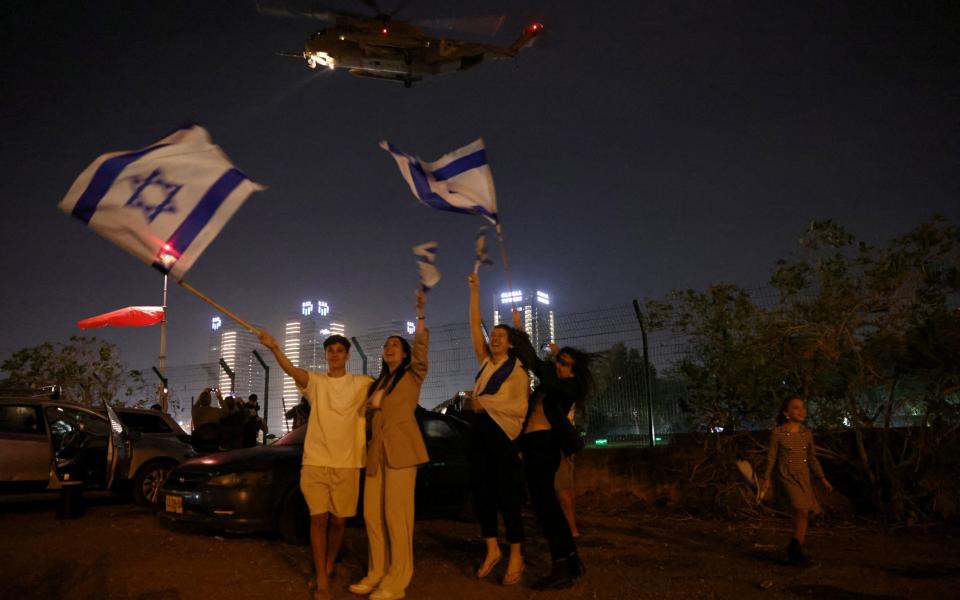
{"x": 581, "y": 372}
{"x": 515, "y": 339}
{"x": 386, "y": 378}
{"x": 782, "y": 416}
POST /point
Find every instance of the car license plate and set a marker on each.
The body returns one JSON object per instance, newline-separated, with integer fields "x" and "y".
{"x": 174, "y": 504}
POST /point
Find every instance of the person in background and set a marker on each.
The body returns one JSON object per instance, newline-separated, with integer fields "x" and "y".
{"x": 496, "y": 410}
{"x": 793, "y": 457}
{"x": 231, "y": 424}
{"x": 334, "y": 449}
{"x": 299, "y": 413}
{"x": 253, "y": 424}
{"x": 395, "y": 450}
{"x": 203, "y": 412}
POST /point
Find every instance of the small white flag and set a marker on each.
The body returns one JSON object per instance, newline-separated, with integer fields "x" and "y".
{"x": 164, "y": 203}
{"x": 480, "y": 248}
{"x": 427, "y": 259}
{"x": 460, "y": 181}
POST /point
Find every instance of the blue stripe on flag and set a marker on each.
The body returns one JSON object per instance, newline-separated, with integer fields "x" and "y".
{"x": 204, "y": 211}
{"x": 103, "y": 180}
{"x": 461, "y": 165}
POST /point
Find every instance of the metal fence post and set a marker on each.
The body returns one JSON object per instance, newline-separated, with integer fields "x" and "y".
{"x": 266, "y": 394}
{"x": 646, "y": 373}
{"x": 363, "y": 355}
{"x": 230, "y": 374}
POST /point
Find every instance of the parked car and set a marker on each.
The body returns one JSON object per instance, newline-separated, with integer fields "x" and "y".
{"x": 39, "y": 434}
{"x": 258, "y": 489}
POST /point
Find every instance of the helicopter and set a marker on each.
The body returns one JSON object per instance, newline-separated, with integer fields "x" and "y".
{"x": 381, "y": 47}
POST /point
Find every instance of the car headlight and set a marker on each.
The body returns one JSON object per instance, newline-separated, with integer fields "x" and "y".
{"x": 244, "y": 478}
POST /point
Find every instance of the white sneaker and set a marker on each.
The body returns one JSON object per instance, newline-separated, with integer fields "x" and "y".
{"x": 382, "y": 594}
{"x": 360, "y": 588}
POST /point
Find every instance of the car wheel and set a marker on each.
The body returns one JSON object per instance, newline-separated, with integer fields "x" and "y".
{"x": 293, "y": 522}
{"x": 147, "y": 483}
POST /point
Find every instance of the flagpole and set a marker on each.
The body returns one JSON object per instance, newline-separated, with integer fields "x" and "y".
{"x": 217, "y": 306}
{"x": 506, "y": 263}
{"x": 163, "y": 350}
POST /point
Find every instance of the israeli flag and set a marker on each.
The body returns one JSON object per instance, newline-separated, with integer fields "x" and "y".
{"x": 427, "y": 261}
{"x": 460, "y": 181}
{"x": 164, "y": 203}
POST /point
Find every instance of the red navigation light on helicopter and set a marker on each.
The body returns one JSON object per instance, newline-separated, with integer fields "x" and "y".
{"x": 384, "y": 31}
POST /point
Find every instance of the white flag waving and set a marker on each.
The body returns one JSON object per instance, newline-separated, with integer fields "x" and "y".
{"x": 480, "y": 248}
{"x": 460, "y": 181}
{"x": 427, "y": 261}
{"x": 164, "y": 203}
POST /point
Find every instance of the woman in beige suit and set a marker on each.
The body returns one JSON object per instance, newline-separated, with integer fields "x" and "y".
{"x": 395, "y": 449}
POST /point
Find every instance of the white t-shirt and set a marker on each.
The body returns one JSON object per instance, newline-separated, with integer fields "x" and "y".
{"x": 336, "y": 433}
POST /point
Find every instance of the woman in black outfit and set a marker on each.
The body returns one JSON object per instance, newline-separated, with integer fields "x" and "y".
{"x": 548, "y": 434}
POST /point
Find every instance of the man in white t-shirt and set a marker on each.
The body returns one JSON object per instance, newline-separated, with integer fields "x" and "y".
{"x": 334, "y": 450}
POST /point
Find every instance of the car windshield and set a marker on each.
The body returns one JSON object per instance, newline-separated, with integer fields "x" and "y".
{"x": 294, "y": 438}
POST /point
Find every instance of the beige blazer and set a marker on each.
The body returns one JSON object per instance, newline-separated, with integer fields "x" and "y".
{"x": 396, "y": 437}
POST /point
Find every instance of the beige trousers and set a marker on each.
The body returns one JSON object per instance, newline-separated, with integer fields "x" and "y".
{"x": 388, "y": 514}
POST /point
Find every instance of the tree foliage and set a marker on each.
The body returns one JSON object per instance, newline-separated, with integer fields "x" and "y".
{"x": 84, "y": 370}
{"x": 869, "y": 335}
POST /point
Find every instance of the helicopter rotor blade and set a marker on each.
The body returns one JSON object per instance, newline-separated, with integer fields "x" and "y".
{"x": 277, "y": 8}
{"x": 402, "y": 4}
{"x": 489, "y": 25}
{"x": 373, "y": 4}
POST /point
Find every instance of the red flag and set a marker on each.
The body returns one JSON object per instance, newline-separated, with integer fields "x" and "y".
{"x": 131, "y": 316}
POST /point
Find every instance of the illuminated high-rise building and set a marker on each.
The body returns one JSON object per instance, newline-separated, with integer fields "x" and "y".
{"x": 536, "y": 309}
{"x": 234, "y": 345}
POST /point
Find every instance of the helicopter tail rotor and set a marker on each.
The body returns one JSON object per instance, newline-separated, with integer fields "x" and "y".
{"x": 527, "y": 36}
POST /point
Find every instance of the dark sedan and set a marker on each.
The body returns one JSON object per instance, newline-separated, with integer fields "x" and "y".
{"x": 257, "y": 489}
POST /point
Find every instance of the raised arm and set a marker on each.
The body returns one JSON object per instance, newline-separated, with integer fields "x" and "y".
{"x": 300, "y": 376}
{"x": 421, "y": 341}
{"x": 476, "y": 330}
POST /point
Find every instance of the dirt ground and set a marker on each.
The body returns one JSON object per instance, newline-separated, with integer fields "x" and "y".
{"x": 118, "y": 550}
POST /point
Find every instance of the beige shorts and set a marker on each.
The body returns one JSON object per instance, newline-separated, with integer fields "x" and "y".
{"x": 330, "y": 490}
{"x": 564, "y": 477}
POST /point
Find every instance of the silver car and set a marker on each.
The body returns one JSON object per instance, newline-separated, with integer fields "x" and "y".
{"x": 37, "y": 433}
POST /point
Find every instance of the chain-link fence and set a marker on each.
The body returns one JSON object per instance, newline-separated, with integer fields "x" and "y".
{"x": 617, "y": 412}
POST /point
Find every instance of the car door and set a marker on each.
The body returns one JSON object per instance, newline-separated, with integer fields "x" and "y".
{"x": 116, "y": 448}
{"x": 24, "y": 448}
{"x": 442, "y": 483}
{"x": 81, "y": 438}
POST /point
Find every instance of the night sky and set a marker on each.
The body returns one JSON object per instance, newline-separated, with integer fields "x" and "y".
{"x": 637, "y": 148}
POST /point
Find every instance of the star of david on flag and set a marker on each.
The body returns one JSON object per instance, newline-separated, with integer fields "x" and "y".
{"x": 164, "y": 203}
{"x": 426, "y": 260}
{"x": 460, "y": 181}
